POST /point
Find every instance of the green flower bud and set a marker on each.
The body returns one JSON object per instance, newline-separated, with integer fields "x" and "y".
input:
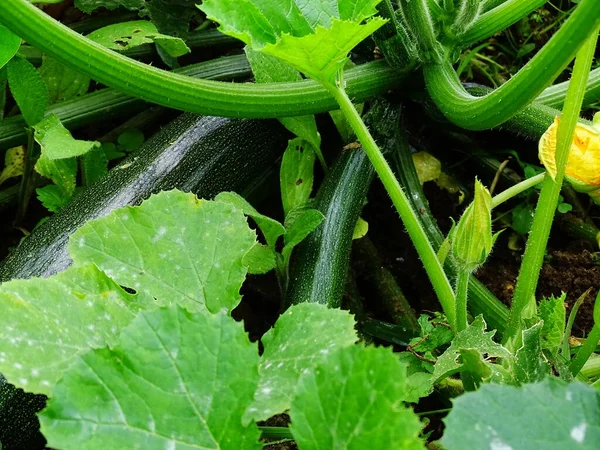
{"x": 472, "y": 239}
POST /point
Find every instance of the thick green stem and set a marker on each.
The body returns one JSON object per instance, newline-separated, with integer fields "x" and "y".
{"x": 479, "y": 113}
{"x": 517, "y": 189}
{"x": 524, "y": 296}
{"x": 434, "y": 269}
{"x": 462, "y": 290}
{"x": 585, "y": 351}
{"x": 170, "y": 89}
{"x": 498, "y": 19}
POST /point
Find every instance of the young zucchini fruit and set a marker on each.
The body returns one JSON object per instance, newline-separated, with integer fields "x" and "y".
{"x": 320, "y": 263}
{"x": 204, "y": 155}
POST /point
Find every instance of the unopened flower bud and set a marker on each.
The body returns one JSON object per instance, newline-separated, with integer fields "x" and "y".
{"x": 472, "y": 239}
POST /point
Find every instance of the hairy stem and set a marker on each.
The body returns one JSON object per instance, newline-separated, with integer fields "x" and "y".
{"x": 524, "y": 296}
{"x": 517, "y": 189}
{"x": 434, "y": 269}
{"x": 478, "y": 113}
{"x": 170, "y": 89}
{"x": 499, "y": 18}
{"x": 462, "y": 289}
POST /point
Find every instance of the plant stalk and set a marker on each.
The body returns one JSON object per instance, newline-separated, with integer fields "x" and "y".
{"x": 170, "y": 89}
{"x": 462, "y": 290}
{"x": 524, "y": 296}
{"x": 498, "y": 19}
{"x": 585, "y": 351}
{"x": 517, "y": 189}
{"x": 434, "y": 269}
{"x": 479, "y": 113}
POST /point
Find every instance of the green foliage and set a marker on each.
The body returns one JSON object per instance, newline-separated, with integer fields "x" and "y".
{"x": 28, "y": 89}
{"x": 202, "y": 242}
{"x": 552, "y": 415}
{"x": 173, "y": 380}
{"x": 49, "y": 322}
{"x": 293, "y": 347}
{"x": 56, "y": 141}
{"x": 127, "y": 35}
{"x": 296, "y": 175}
{"x": 313, "y": 37}
{"x": 170, "y": 17}
{"x": 354, "y": 401}
{"x": 473, "y": 338}
{"x": 9, "y": 45}
{"x": 553, "y": 312}
{"x": 62, "y": 83}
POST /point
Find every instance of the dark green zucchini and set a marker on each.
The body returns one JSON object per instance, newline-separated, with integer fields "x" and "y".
{"x": 204, "y": 155}
{"x": 320, "y": 263}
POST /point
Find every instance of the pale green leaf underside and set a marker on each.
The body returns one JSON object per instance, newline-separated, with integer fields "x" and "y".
{"x": 46, "y": 323}
{"x": 178, "y": 248}
{"x": 551, "y": 415}
{"x": 313, "y": 36}
{"x": 302, "y": 336}
{"x": 176, "y": 380}
{"x": 353, "y": 401}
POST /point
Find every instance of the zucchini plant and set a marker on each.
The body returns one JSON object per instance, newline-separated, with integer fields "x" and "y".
{"x": 119, "y": 308}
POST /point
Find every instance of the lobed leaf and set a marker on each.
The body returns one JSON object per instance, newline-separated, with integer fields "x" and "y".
{"x": 302, "y": 336}
{"x": 47, "y": 323}
{"x": 176, "y": 380}
{"x": 353, "y": 401}
{"x": 313, "y": 36}
{"x": 552, "y": 415}
{"x": 176, "y": 247}
{"x": 474, "y": 337}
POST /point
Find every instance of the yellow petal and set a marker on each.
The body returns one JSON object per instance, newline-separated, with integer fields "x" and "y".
{"x": 584, "y": 156}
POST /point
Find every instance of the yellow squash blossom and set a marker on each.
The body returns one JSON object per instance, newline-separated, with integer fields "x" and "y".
{"x": 583, "y": 166}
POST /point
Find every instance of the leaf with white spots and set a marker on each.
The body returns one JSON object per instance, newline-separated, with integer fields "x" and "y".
{"x": 174, "y": 246}
{"x": 551, "y": 415}
{"x": 176, "y": 380}
{"x": 46, "y": 323}
{"x": 353, "y": 401}
{"x": 302, "y": 336}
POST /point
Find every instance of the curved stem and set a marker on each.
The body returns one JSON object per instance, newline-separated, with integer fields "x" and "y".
{"x": 434, "y": 269}
{"x": 479, "y": 113}
{"x": 524, "y": 296}
{"x": 173, "y": 90}
{"x": 499, "y": 18}
{"x": 517, "y": 189}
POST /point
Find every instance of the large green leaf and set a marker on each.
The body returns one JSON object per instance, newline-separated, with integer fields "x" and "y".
{"x": 46, "y": 323}
{"x": 353, "y": 401}
{"x": 176, "y": 380}
{"x": 551, "y": 415}
{"x": 314, "y": 37}
{"x": 302, "y": 336}
{"x": 176, "y": 247}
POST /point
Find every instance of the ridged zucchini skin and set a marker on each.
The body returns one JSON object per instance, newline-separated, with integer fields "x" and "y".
{"x": 204, "y": 155}
{"x": 319, "y": 265}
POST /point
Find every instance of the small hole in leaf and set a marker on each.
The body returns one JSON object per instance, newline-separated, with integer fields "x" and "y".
{"x": 299, "y": 182}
